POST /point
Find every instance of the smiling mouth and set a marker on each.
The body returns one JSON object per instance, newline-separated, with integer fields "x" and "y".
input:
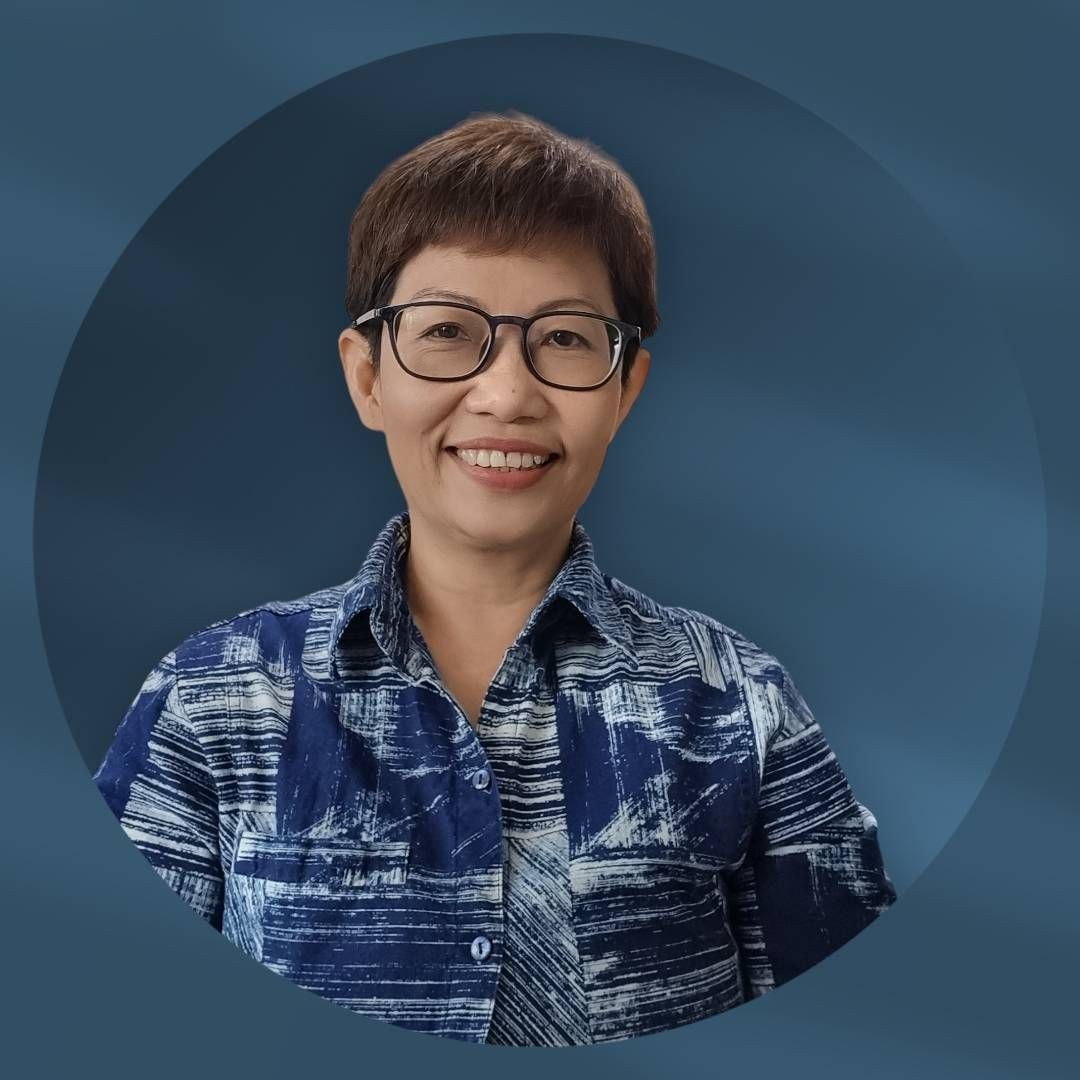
{"x": 551, "y": 459}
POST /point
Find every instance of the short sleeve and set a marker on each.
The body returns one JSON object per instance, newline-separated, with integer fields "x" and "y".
{"x": 814, "y": 874}
{"x": 156, "y": 780}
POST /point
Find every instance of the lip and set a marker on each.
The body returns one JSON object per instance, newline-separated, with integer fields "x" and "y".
{"x": 522, "y": 446}
{"x": 503, "y": 481}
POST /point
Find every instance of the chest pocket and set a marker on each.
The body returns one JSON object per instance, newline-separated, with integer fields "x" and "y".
{"x": 331, "y": 862}
{"x": 294, "y": 902}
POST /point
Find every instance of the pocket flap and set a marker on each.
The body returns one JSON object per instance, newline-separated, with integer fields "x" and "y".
{"x": 321, "y": 860}
{"x": 667, "y": 854}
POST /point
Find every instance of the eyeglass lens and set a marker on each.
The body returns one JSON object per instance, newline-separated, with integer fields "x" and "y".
{"x": 444, "y": 342}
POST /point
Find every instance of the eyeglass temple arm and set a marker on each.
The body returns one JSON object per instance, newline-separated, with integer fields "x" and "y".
{"x": 368, "y": 316}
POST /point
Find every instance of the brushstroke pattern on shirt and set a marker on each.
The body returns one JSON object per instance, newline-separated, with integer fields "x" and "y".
{"x": 665, "y": 832}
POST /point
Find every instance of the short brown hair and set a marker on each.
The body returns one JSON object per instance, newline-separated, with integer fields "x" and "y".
{"x": 492, "y": 183}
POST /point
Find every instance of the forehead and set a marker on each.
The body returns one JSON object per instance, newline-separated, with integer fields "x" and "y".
{"x": 508, "y": 280}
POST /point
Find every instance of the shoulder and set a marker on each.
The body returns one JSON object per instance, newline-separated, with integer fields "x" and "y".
{"x": 269, "y": 637}
{"x": 726, "y": 658}
{"x": 735, "y": 654}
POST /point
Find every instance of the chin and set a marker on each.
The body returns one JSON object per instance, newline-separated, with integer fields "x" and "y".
{"x": 499, "y": 519}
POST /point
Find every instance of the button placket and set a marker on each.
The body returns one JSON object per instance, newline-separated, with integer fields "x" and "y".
{"x": 481, "y": 946}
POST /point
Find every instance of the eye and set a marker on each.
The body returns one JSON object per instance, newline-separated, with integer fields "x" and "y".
{"x": 433, "y": 332}
{"x": 565, "y": 334}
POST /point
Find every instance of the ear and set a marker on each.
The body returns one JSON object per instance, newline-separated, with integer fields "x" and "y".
{"x": 633, "y": 387}
{"x": 360, "y": 378}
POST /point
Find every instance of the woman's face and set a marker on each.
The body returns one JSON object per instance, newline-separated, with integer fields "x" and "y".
{"x": 422, "y": 419}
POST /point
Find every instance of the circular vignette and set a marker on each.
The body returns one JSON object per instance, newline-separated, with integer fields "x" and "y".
{"x": 860, "y": 493}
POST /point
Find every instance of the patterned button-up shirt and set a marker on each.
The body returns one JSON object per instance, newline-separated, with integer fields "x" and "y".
{"x": 646, "y": 828}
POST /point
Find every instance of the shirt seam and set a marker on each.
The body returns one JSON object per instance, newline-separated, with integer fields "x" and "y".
{"x": 183, "y": 713}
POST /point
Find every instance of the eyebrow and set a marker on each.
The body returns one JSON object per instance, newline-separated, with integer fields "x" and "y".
{"x": 435, "y": 292}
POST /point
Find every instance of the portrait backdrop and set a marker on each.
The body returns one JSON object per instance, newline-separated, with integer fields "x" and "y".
{"x": 834, "y": 434}
{"x": 832, "y": 453}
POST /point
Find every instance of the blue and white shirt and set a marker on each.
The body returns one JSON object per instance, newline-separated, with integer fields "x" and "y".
{"x": 646, "y": 828}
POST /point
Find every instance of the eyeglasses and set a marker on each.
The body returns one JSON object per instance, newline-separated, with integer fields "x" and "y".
{"x": 447, "y": 342}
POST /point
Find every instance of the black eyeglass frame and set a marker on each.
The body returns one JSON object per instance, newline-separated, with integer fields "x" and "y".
{"x": 628, "y": 333}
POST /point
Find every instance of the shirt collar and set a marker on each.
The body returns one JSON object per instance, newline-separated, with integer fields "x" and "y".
{"x": 378, "y": 589}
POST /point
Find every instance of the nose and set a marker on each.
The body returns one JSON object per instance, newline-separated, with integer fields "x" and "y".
{"x": 507, "y": 357}
{"x": 506, "y": 388}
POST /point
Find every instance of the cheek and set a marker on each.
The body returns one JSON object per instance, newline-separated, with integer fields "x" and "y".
{"x": 592, "y": 428}
{"x": 414, "y": 422}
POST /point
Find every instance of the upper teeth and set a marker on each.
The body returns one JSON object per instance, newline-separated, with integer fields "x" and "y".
{"x": 496, "y": 459}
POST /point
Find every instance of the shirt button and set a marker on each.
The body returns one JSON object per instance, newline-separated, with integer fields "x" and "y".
{"x": 481, "y": 948}
{"x": 481, "y": 779}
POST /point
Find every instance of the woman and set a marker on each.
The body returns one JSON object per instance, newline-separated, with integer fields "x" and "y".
{"x": 483, "y": 789}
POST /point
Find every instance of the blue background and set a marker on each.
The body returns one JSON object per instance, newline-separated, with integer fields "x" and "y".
{"x": 937, "y": 251}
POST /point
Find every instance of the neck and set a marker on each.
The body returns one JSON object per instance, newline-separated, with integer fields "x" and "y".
{"x": 454, "y": 581}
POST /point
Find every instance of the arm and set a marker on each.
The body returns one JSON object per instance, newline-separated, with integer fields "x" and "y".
{"x": 156, "y": 780}
{"x": 813, "y": 875}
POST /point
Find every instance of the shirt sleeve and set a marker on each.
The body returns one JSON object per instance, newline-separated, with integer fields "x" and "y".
{"x": 156, "y": 779}
{"x": 813, "y": 875}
